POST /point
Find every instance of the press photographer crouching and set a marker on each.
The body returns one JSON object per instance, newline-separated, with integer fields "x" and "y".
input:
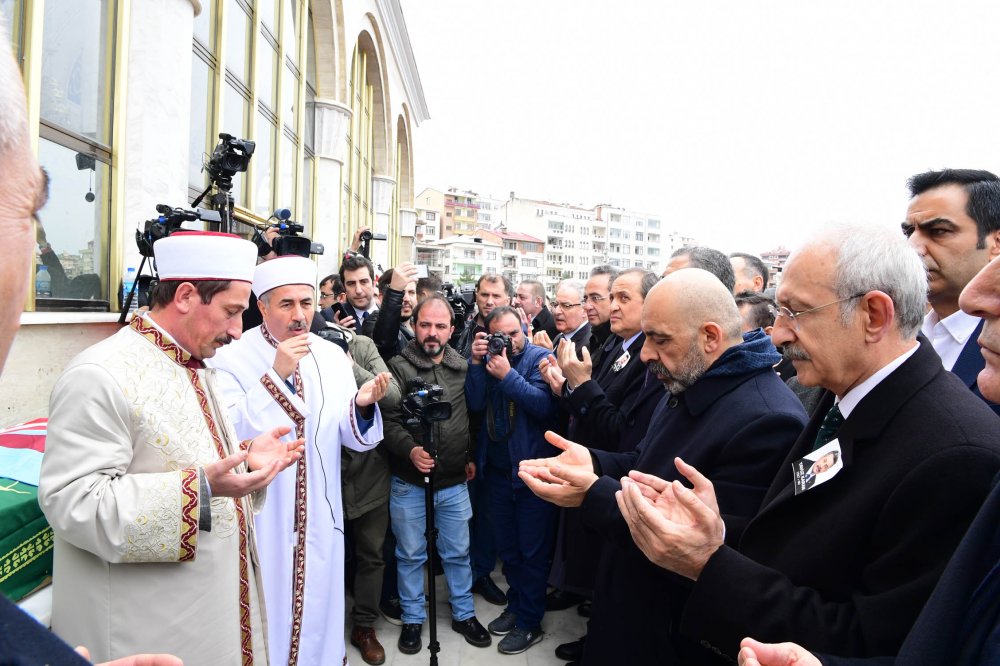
{"x": 429, "y": 357}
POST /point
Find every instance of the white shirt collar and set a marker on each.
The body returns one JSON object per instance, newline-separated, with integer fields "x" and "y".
{"x": 627, "y": 343}
{"x": 959, "y": 325}
{"x": 576, "y": 330}
{"x": 857, "y": 394}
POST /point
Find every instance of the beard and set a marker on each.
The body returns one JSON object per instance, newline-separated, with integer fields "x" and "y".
{"x": 688, "y": 371}
{"x": 431, "y": 346}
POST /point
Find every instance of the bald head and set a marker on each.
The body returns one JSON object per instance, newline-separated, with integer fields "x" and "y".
{"x": 695, "y": 296}
{"x": 22, "y": 192}
{"x": 690, "y": 319}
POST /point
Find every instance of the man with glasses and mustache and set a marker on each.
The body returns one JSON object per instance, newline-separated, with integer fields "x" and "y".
{"x": 280, "y": 372}
{"x": 570, "y": 317}
{"x": 843, "y": 567}
{"x": 725, "y": 409}
{"x": 429, "y": 357}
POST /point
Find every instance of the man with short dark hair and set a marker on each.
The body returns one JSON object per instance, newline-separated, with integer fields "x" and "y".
{"x": 756, "y": 310}
{"x": 705, "y": 258}
{"x": 507, "y": 387}
{"x": 390, "y": 326}
{"x": 953, "y": 222}
{"x": 844, "y": 566}
{"x": 750, "y": 271}
{"x": 530, "y": 299}
{"x": 358, "y": 275}
{"x": 429, "y": 357}
{"x": 492, "y": 290}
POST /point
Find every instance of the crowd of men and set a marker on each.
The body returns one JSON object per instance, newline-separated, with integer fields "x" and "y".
{"x": 691, "y": 458}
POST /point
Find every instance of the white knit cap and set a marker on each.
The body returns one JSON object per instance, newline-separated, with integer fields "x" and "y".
{"x": 204, "y": 255}
{"x": 284, "y": 270}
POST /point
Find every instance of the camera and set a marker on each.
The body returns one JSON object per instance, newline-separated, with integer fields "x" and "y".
{"x": 497, "y": 342}
{"x": 336, "y": 336}
{"x": 169, "y": 221}
{"x": 288, "y": 242}
{"x": 423, "y": 405}
{"x": 230, "y": 157}
{"x": 366, "y": 238}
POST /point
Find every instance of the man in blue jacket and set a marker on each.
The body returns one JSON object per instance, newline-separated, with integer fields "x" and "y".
{"x": 517, "y": 409}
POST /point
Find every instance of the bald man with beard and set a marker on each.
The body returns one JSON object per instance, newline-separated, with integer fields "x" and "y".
{"x": 725, "y": 408}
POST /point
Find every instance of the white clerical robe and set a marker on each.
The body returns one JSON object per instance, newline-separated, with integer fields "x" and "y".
{"x": 131, "y": 420}
{"x": 303, "y": 578}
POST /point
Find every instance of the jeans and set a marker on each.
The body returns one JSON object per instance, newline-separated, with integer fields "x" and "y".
{"x": 525, "y": 535}
{"x": 452, "y": 511}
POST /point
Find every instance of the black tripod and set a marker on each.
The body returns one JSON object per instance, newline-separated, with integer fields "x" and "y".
{"x": 430, "y": 534}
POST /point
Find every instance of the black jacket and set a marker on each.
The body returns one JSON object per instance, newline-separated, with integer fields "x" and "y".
{"x": 451, "y": 437}
{"x": 385, "y": 325}
{"x": 846, "y": 566}
{"x": 736, "y": 429}
{"x": 543, "y": 321}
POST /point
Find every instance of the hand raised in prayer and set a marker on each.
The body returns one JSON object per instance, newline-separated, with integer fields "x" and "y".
{"x": 542, "y": 339}
{"x": 753, "y": 653}
{"x": 564, "y": 479}
{"x": 675, "y": 528}
{"x": 265, "y": 457}
{"x": 373, "y": 390}
{"x": 575, "y": 370}
{"x": 288, "y": 353}
{"x": 552, "y": 374}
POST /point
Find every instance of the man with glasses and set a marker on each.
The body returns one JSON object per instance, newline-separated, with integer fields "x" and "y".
{"x": 571, "y": 318}
{"x": 843, "y": 566}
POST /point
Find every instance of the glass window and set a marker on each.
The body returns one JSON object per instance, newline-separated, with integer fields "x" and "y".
{"x": 75, "y": 228}
{"x": 268, "y": 14}
{"x": 310, "y": 118}
{"x": 234, "y": 122}
{"x": 289, "y": 96}
{"x": 305, "y": 216}
{"x": 204, "y": 24}
{"x": 267, "y": 60}
{"x": 201, "y": 102}
{"x": 75, "y": 90}
{"x": 237, "y": 39}
{"x": 263, "y": 164}
{"x": 310, "y": 55}
{"x": 10, "y": 15}
{"x": 286, "y": 196}
{"x": 290, "y": 30}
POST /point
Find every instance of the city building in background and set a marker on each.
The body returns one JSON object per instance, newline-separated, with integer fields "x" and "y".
{"x": 127, "y": 100}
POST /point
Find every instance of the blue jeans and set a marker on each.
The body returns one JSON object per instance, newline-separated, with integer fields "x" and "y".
{"x": 452, "y": 511}
{"x": 525, "y": 535}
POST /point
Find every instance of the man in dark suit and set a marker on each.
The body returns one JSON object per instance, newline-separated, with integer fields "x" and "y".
{"x": 597, "y": 307}
{"x": 846, "y": 565}
{"x": 725, "y": 410}
{"x": 611, "y": 405}
{"x": 961, "y": 621}
{"x": 571, "y": 318}
{"x": 358, "y": 276}
{"x": 530, "y": 300}
{"x": 953, "y": 222}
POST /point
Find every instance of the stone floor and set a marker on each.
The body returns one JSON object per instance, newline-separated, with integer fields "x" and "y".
{"x": 559, "y": 627}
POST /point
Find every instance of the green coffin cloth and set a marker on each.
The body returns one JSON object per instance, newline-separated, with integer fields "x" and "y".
{"x": 25, "y": 540}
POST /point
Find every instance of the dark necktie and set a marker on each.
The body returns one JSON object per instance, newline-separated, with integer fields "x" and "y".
{"x": 828, "y": 429}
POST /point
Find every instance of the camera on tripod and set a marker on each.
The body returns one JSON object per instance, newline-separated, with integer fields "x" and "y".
{"x": 423, "y": 404}
{"x": 169, "y": 221}
{"x": 230, "y": 157}
{"x": 497, "y": 342}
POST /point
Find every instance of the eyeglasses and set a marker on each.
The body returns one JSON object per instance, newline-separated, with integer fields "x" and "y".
{"x": 793, "y": 317}
{"x": 594, "y": 298}
{"x": 325, "y": 295}
{"x": 565, "y": 306}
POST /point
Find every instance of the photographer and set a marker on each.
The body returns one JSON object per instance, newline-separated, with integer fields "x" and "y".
{"x": 504, "y": 382}
{"x": 390, "y": 326}
{"x": 492, "y": 290}
{"x": 429, "y": 357}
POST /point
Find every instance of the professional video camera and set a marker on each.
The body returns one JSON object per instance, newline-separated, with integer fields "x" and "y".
{"x": 366, "y": 238}
{"x": 169, "y": 221}
{"x": 497, "y": 342}
{"x": 288, "y": 241}
{"x": 423, "y": 405}
{"x": 230, "y": 157}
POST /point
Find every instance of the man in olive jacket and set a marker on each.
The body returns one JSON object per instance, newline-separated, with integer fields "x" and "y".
{"x": 429, "y": 357}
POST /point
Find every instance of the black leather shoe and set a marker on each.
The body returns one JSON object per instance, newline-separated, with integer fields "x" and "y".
{"x": 409, "y": 639}
{"x": 488, "y": 590}
{"x": 571, "y": 651}
{"x": 473, "y": 632}
{"x": 557, "y": 600}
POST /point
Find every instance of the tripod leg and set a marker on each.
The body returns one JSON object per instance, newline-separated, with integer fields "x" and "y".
{"x": 430, "y": 534}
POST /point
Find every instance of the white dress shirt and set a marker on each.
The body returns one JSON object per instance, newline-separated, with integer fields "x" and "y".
{"x": 949, "y": 335}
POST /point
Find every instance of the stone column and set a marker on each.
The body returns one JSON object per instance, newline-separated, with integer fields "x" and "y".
{"x": 332, "y": 123}
{"x": 382, "y": 189}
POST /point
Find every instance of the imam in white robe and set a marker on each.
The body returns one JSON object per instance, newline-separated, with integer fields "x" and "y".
{"x": 303, "y": 578}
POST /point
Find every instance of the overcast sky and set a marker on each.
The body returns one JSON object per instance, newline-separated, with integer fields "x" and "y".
{"x": 745, "y": 124}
